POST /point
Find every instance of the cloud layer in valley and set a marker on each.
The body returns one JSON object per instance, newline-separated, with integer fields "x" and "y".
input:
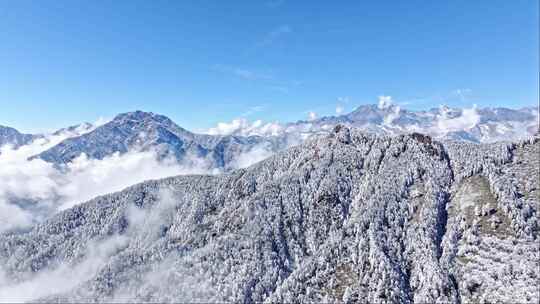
{"x": 30, "y": 190}
{"x": 144, "y": 226}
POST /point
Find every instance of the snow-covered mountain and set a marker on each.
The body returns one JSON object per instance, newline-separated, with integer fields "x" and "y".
{"x": 347, "y": 217}
{"x": 14, "y": 138}
{"x": 142, "y": 131}
{"x": 478, "y": 125}
{"x": 60, "y": 169}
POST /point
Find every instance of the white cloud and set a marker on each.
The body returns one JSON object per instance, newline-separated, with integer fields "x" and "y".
{"x": 312, "y": 115}
{"x": 388, "y": 119}
{"x": 385, "y": 102}
{"x": 33, "y": 189}
{"x": 256, "y": 154}
{"x": 242, "y": 126}
{"x": 27, "y": 180}
{"x": 88, "y": 178}
{"x": 339, "y": 110}
{"x": 468, "y": 119}
{"x": 101, "y": 121}
{"x": 144, "y": 226}
{"x": 63, "y": 278}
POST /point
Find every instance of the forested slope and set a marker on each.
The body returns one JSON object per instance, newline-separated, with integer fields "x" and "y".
{"x": 349, "y": 217}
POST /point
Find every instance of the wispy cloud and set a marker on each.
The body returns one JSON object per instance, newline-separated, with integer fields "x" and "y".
{"x": 462, "y": 94}
{"x": 274, "y": 3}
{"x": 279, "y": 88}
{"x": 252, "y": 110}
{"x": 265, "y": 77}
{"x": 241, "y": 72}
{"x": 274, "y": 35}
{"x": 248, "y": 74}
{"x": 341, "y": 101}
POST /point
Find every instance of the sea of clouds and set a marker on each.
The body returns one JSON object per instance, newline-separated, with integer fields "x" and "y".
{"x": 32, "y": 190}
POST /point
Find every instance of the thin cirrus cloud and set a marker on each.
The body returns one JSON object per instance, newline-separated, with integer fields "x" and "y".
{"x": 272, "y": 36}
{"x": 252, "y": 110}
{"x": 263, "y": 77}
{"x": 241, "y": 72}
{"x": 462, "y": 94}
{"x": 278, "y": 88}
{"x": 275, "y": 3}
{"x": 340, "y": 108}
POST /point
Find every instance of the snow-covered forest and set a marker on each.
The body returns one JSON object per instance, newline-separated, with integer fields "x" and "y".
{"x": 349, "y": 217}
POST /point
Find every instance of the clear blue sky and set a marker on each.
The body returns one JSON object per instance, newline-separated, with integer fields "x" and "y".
{"x": 201, "y": 62}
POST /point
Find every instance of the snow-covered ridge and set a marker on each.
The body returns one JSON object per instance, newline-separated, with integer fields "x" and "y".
{"x": 143, "y": 131}
{"x": 350, "y": 216}
{"x": 479, "y": 125}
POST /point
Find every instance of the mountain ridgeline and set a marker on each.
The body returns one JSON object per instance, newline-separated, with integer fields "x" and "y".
{"x": 142, "y": 131}
{"x": 478, "y": 125}
{"x": 10, "y": 136}
{"x": 347, "y": 217}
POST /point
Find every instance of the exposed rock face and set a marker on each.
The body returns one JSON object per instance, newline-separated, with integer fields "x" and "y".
{"x": 349, "y": 217}
{"x": 143, "y": 131}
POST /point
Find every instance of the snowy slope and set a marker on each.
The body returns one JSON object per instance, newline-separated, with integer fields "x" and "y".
{"x": 10, "y": 136}
{"x": 478, "y": 125}
{"x": 142, "y": 131}
{"x": 347, "y": 217}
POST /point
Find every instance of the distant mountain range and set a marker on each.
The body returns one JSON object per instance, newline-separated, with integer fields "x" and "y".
{"x": 144, "y": 131}
{"x": 481, "y": 125}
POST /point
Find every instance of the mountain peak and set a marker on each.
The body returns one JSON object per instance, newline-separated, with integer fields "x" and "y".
{"x": 142, "y": 116}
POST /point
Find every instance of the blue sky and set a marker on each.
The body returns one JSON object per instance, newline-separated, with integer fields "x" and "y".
{"x": 202, "y": 62}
